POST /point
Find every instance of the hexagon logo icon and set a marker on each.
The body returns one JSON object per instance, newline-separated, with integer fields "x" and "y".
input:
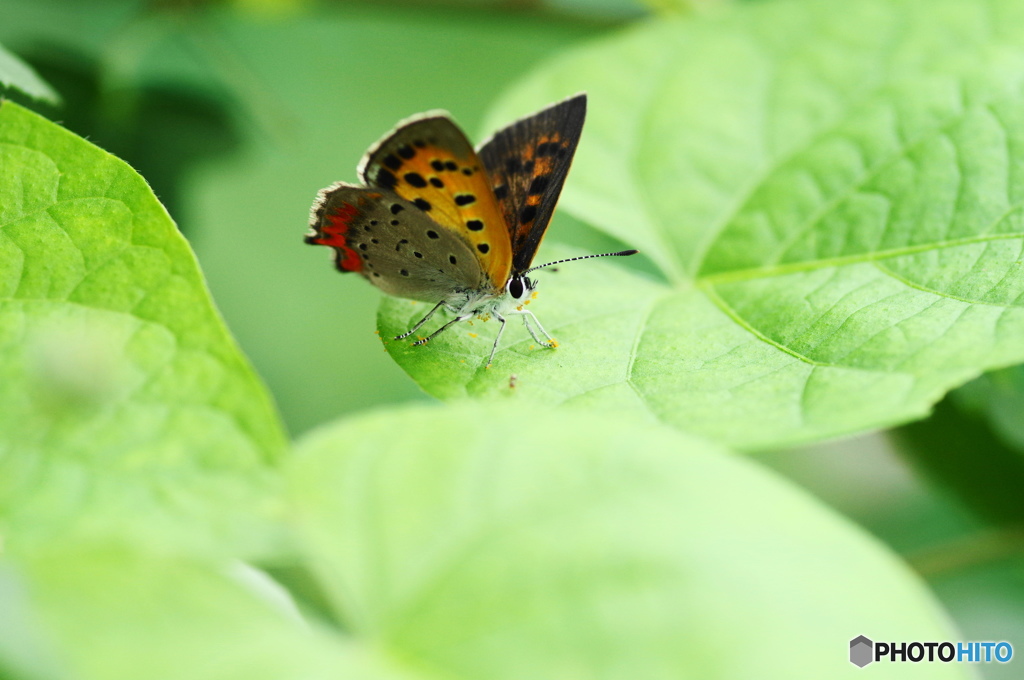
{"x": 861, "y": 651}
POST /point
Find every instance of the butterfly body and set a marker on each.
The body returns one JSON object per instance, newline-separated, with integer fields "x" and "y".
{"x": 441, "y": 222}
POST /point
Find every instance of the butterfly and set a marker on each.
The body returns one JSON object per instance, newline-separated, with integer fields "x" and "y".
{"x": 440, "y": 222}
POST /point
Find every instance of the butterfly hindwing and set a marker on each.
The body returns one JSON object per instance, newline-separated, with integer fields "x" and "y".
{"x": 384, "y": 237}
{"x": 429, "y": 162}
{"x": 527, "y": 163}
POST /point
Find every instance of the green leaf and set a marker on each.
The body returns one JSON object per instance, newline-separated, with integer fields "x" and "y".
{"x": 997, "y": 397}
{"x": 16, "y": 74}
{"x": 959, "y": 451}
{"x": 595, "y": 343}
{"x": 973, "y": 445}
{"x": 685, "y": 6}
{"x": 487, "y": 541}
{"x": 833, "y": 199}
{"x": 114, "y": 613}
{"x": 124, "y": 403}
{"x": 26, "y": 652}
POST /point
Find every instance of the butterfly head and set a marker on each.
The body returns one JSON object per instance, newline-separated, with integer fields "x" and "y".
{"x": 518, "y": 291}
{"x": 520, "y": 288}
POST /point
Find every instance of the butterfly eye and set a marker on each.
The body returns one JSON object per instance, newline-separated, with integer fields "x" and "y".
{"x": 516, "y": 287}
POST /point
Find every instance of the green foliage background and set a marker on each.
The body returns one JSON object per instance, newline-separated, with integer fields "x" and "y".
{"x": 828, "y": 206}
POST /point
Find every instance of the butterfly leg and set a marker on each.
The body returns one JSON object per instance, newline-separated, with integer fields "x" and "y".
{"x": 527, "y": 315}
{"x": 422, "y": 321}
{"x": 423, "y": 341}
{"x": 497, "y": 338}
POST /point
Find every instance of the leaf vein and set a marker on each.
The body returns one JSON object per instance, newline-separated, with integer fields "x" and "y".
{"x": 740, "y": 321}
{"x": 753, "y": 273}
{"x": 925, "y": 289}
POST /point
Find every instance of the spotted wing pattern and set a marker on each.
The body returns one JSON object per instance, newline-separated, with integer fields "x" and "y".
{"x": 392, "y": 243}
{"x": 527, "y": 163}
{"x": 429, "y": 162}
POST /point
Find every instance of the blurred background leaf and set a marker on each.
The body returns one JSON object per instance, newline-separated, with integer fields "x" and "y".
{"x": 998, "y": 398}
{"x": 595, "y": 542}
{"x": 963, "y": 453}
{"x": 686, "y": 6}
{"x": 977, "y": 570}
{"x": 27, "y": 651}
{"x": 16, "y": 74}
{"x": 120, "y": 613}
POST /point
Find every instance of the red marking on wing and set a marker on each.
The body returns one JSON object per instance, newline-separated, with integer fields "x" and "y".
{"x": 333, "y": 229}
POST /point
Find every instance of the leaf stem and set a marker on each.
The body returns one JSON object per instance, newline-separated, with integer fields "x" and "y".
{"x": 966, "y": 552}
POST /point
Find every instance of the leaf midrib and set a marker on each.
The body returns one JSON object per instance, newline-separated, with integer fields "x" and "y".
{"x": 753, "y": 273}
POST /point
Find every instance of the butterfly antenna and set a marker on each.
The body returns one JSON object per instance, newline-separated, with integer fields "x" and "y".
{"x": 621, "y": 253}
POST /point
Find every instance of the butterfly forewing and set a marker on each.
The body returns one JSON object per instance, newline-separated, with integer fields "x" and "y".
{"x": 384, "y": 237}
{"x": 527, "y": 163}
{"x": 429, "y": 162}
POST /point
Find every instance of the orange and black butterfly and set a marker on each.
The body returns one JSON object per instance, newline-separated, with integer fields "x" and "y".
{"x": 439, "y": 222}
